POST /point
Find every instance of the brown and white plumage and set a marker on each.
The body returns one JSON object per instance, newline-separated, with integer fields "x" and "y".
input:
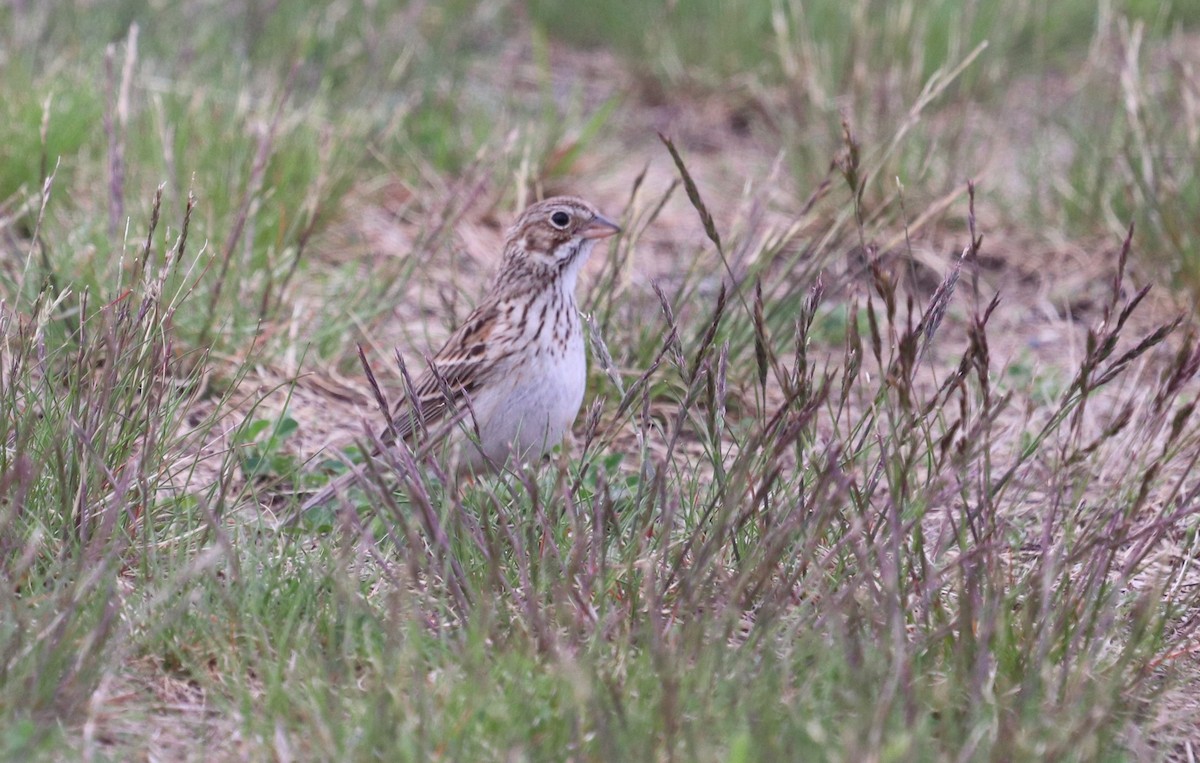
{"x": 518, "y": 361}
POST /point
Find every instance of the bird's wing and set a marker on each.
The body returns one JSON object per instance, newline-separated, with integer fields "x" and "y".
{"x": 472, "y": 356}
{"x": 468, "y": 359}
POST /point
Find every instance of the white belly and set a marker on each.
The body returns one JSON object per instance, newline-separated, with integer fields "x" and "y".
{"x": 531, "y": 414}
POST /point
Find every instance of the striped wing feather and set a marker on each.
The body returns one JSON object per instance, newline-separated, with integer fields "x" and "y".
{"x": 463, "y": 363}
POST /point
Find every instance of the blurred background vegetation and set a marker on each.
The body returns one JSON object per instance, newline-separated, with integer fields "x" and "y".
{"x": 1083, "y": 113}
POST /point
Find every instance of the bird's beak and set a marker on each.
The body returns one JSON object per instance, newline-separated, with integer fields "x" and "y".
{"x": 600, "y": 227}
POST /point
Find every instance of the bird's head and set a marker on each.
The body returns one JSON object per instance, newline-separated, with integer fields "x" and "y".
{"x": 557, "y": 234}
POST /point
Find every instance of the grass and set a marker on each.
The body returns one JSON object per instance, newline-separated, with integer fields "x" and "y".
{"x": 819, "y": 507}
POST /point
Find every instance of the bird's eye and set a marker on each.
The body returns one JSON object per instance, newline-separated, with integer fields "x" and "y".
{"x": 560, "y": 219}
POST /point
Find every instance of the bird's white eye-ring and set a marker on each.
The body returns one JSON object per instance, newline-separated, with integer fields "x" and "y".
{"x": 560, "y": 219}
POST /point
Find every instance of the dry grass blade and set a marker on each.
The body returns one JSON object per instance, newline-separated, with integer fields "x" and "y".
{"x": 693, "y": 194}
{"x": 381, "y": 402}
{"x": 253, "y": 187}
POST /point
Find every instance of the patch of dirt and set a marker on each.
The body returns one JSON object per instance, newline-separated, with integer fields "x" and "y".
{"x": 146, "y": 713}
